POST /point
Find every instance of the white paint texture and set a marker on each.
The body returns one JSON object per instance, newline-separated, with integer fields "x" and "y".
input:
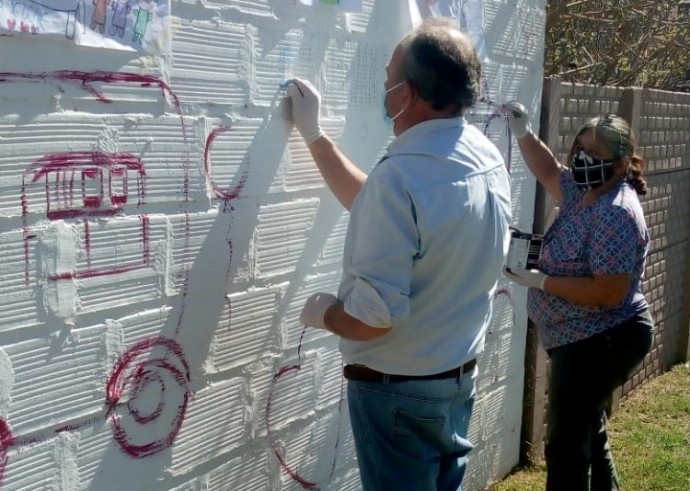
{"x": 150, "y": 284}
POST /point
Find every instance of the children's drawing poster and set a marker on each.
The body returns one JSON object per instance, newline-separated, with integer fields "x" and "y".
{"x": 131, "y": 25}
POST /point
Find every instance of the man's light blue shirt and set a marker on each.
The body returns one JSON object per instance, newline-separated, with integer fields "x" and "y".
{"x": 427, "y": 238}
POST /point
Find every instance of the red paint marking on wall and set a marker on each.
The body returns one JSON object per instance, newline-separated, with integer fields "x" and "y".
{"x": 85, "y": 81}
{"x": 67, "y": 428}
{"x": 228, "y": 302}
{"x": 222, "y": 193}
{"x": 185, "y": 271}
{"x": 294, "y": 475}
{"x": 67, "y": 161}
{"x": 87, "y": 242}
{"x": 306, "y": 484}
{"x": 503, "y": 292}
{"x": 132, "y": 377}
{"x": 227, "y": 195}
{"x": 81, "y": 213}
{"x": 227, "y": 273}
{"x": 60, "y": 170}
{"x": 118, "y": 187}
{"x": 500, "y": 116}
{"x": 6, "y": 442}
{"x": 144, "y": 377}
{"x": 90, "y": 178}
{"x": 341, "y": 401}
{"x": 145, "y": 238}
{"x": 26, "y": 232}
{"x": 80, "y": 275}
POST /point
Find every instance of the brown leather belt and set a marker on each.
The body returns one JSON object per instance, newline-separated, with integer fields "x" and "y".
{"x": 366, "y": 374}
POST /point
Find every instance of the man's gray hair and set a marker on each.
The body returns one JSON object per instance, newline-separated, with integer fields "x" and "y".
{"x": 441, "y": 64}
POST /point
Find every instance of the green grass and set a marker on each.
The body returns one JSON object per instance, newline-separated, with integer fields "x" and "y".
{"x": 650, "y": 437}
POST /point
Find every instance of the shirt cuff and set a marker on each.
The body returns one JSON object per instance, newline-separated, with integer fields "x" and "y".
{"x": 365, "y": 304}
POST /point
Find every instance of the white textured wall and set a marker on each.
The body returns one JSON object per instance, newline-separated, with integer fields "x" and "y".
{"x": 154, "y": 344}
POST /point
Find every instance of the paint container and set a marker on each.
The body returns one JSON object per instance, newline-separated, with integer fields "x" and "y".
{"x": 524, "y": 250}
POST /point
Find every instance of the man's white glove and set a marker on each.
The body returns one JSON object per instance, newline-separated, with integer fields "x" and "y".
{"x": 315, "y": 308}
{"x": 531, "y": 278}
{"x": 518, "y": 119}
{"x": 306, "y": 104}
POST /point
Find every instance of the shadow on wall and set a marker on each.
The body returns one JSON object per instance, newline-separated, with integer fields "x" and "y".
{"x": 192, "y": 322}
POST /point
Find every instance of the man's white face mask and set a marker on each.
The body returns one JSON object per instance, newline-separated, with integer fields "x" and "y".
{"x": 388, "y": 118}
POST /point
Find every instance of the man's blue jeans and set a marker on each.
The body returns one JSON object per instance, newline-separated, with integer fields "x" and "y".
{"x": 412, "y": 434}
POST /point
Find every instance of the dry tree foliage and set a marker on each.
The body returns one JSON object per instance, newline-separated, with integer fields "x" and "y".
{"x": 619, "y": 42}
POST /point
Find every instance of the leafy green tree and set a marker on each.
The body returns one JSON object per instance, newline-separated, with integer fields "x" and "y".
{"x": 619, "y": 42}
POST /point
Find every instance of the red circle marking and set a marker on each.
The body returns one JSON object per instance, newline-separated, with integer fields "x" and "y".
{"x": 132, "y": 377}
{"x": 226, "y": 194}
{"x": 282, "y": 461}
{"x": 6, "y": 441}
{"x": 294, "y": 475}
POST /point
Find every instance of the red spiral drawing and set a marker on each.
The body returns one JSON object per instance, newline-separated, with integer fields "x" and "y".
{"x": 155, "y": 365}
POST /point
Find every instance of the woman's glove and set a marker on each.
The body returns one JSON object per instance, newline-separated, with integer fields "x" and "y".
{"x": 306, "y": 104}
{"x": 315, "y": 308}
{"x": 518, "y": 119}
{"x": 531, "y": 278}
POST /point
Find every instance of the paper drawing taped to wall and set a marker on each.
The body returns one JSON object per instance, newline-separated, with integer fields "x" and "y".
{"x": 131, "y": 25}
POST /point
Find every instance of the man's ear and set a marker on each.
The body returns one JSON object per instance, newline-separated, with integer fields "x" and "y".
{"x": 410, "y": 91}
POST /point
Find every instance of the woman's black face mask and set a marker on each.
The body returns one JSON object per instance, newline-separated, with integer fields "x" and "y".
{"x": 590, "y": 173}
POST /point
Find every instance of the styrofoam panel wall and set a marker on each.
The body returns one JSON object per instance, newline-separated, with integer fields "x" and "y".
{"x": 158, "y": 346}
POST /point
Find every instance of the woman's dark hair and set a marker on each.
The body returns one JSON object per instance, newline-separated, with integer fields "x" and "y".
{"x": 441, "y": 64}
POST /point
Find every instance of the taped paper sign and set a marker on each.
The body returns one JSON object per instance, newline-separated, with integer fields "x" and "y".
{"x": 340, "y": 5}
{"x": 469, "y": 14}
{"x": 131, "y": 25}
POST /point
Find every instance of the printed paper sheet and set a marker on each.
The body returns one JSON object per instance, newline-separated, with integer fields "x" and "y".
{"x": 469, "y": 14}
